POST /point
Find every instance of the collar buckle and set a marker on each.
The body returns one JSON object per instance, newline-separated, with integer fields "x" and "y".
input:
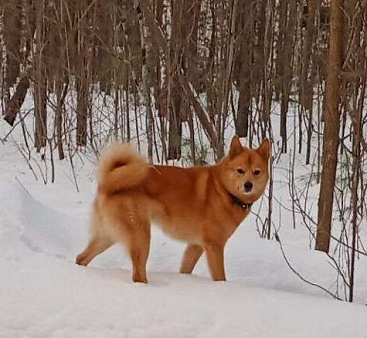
{"x": 242, "y": 205}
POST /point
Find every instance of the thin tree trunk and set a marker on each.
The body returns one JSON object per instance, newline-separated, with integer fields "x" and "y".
{"x": 145, "y": 86}
{"x": 289, "y": 11}
{"x": 307, "y": 75}
{"x": 227, "y": 84}
{"x": 61, "y": 92}
{"x": 331, "y": 128}
{"x": 243, "y": 66}
{"x": 178, "y": 53}
{"x": 40, "y": 84}
{"x": 82, "y": 85}
{"x": 127, "y": 94}
{"x": 82, "y": 106}
{"x": 356, "y": 117}
{"x": 354, "y": 200}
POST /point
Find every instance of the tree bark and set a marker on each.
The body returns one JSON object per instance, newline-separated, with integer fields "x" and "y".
{"x": 331, "y": 128}
{"x": 12, "y": 33}
{"x": 83, "y": 74}
{"x": 243, "y": 68}
{"x": 82, "y": 105}
{"x": 145, "y": 86}
{"x": 40, "y": 85}
{"x": 16, "y": 101}
{"x": 177, "y": 50}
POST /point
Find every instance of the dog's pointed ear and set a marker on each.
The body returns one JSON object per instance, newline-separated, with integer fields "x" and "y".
{"x": 264, "y": 149}
{"x": 235, "y": 148}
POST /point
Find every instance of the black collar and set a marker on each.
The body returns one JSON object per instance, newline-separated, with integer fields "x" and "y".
{"x": 242, "y": 205}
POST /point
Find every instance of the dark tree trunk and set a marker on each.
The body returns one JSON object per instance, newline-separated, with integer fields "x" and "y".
{"x": 82, "y": 110}
{"x": 16, "y": 101}
{"x": 40, "y": 84}
{"x": 331, "y": 128}
{"x": 12, "y": 34}
{"x": 40, "y": 113}
{"x": 243, "y": 68}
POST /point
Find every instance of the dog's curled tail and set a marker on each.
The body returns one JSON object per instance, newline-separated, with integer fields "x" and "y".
{"x": 120, "y": 167}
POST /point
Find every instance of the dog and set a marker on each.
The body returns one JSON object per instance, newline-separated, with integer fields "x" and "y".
{"x": 201, "y": 206}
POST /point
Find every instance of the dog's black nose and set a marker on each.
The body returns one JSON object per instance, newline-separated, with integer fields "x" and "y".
{"x": 248, "y": 186}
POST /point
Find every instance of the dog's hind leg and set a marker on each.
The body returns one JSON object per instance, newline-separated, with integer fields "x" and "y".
{"x": 138, "y": 246}
{"x": 130, "y": 225}
{"x": 191, "y": 256}
{"x": 99, "y": 242}
{"x": 96, "y": 246}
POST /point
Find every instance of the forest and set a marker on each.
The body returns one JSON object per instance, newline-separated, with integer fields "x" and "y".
{"x": 179, "y": 78}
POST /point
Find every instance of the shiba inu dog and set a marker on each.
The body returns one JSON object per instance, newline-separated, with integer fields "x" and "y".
{"x": 201, "y": 206}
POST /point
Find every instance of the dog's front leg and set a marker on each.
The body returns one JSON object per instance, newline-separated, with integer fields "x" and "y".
{"x": 215, "y": 255}
{"x": 191, "y": 256}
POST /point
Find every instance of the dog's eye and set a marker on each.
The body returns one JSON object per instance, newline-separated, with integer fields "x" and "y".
{"x": 240, "y": 171}
{"x": 257, "y": 172}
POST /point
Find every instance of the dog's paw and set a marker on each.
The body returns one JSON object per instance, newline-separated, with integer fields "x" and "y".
{"x": 138, "y": 279}
{"x": 81, "y": 260}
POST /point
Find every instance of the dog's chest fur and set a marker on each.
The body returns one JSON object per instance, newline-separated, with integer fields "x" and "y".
{"x": 187, "y": 203}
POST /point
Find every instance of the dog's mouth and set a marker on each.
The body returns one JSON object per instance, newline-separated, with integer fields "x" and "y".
{"x": 248, "y": 196}
{"x": 247, "y": 193}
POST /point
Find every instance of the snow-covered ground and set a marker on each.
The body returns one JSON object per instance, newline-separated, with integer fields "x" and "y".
{"x": 44, "y": 294}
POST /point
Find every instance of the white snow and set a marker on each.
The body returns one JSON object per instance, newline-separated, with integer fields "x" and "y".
{"x": 44, "y": 294}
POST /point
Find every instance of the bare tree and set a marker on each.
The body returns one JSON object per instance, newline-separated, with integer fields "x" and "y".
{"x": 331, "y": 128}
{"x": 177, "y": 77}
{"x": 40, "y": 79}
